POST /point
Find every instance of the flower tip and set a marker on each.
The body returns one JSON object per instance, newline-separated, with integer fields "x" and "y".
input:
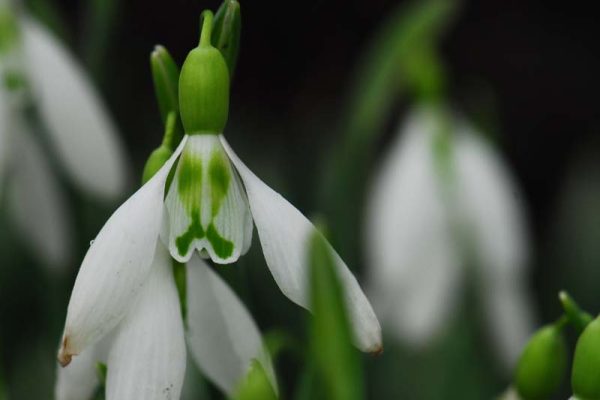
{"x": 64, "y": 354}
{"x": 377, "y": 351}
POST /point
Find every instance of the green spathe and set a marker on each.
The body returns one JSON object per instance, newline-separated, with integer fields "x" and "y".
{"x": 586, "y": 363}
{"x": 9, "y": 31}
{"x": 204, "y": 86}
{"x": 542, "y": 364}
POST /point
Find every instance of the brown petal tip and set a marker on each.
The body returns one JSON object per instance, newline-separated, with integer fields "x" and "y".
{"x": 377, "y": 352}
{"x": 64, "y": 355}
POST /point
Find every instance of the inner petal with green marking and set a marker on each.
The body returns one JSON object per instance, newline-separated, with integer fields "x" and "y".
{"x": 207, "y": 205}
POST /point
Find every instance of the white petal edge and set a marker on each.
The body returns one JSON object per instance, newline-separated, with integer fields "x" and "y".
{"x": 79, "y": 125}
{"x": 510, "y": 318}
{"x": 116, "y": 265}
{"x": 222, "y": 336}
{"x": 284, "y": 233}
{"x": 147, "y": 359}
{"x": 414, "y": 266}
{"x": 492, "y": 205}
{"x": 37, "y": 204}
{"x": 79, "y": 380}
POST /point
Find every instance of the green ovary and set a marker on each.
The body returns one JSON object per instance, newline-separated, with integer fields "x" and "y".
{"x": 190, "y": 192}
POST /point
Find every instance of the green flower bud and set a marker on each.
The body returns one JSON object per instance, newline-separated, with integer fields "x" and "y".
{"x": 157, "y": 159}
{"x": 204, "y": 86}
{"x": 165, "y": 75}
{"x": 542, "y": 365}
{"x": 586, "y": 363}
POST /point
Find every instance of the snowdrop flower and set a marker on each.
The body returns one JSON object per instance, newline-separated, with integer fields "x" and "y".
{"x": 35, "y": 69}
{"x": 209, "y": 211}
{"x": 427, "y": 220}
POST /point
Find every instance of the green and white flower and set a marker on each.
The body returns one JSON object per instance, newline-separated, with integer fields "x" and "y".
{"x": 209, "y": 211}
{"x": 37, "y": 71}
{"x": 442, "y": 202}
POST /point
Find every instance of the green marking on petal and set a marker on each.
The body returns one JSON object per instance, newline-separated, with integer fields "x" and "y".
{"x": 220, "y": 178}
{"x": 222, "y": 247}
{"x": 189, "y": 186}
{"x": 195, "y": 231}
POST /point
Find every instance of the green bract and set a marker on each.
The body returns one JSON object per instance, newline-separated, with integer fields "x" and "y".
{"x": 9, "y": 31}
{"x": 256, "y": 385}
{"x": 204, "y": 86}
{"x": 542, "y": 364}
{"x": 586, "y": 363}
{"x": 165, "y": 75}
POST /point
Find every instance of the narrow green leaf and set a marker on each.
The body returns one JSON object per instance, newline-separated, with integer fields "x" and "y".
{"x": 332, "y": 356}
{"x": 165, "y": 74}
{"x": 226, "y": 32}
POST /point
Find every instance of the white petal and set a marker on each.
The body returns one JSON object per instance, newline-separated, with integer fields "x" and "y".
{"x": 414, "y": 267}
{"x": 222, "y": 336}
{"x": 36, "y": 201}
{"x": 207, "y": 194}
{"x": 116, "y": 265}
{"x": 147, "y": 359}
{"x": 79, "y": 380}
{"x": 80, "y": 127}
{"x": 492, "y": 205}
{"x": 284, "y": 234}
{"x": 510, "y": 317}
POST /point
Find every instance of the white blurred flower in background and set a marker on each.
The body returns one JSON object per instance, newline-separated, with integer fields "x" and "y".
{"x": 439, "y": 206}
{"x": 38, "y": 75}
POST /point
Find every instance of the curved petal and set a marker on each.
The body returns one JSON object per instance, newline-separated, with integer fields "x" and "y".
{"x": 79, "y": 380}
{"x": 284, "y": 233}
{"x": 510, "y": 317}
{"x": 414, "y": 268}
{"x": 147, "y": 359}
{"x": 38, "y": 206}
{"x": 81, "y": 130}
{"x": 222, "y": 336}
{"x": 492, "y": 207}
{"x": 116, "y": 266}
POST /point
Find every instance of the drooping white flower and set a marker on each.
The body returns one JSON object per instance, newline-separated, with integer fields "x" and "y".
{"x": 426, "y": 224}
{"x": 36, "y": 69}
{"x": 209, "y": 211}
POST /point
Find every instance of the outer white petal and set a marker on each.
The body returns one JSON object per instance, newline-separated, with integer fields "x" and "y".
{"x": 414, "y": 268}
{"x": 79, "y": 380}
{"x": 80, "y": 127}
{"x": 147, "y": 359}
{"x": 116, "y": 266}
{"x": 222, "y": 336}
{"x": 36, "y": 202}
{"x": 491, "y": 205}
{"x": 284, "y": 234}
{"x": 508, "y": 308}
